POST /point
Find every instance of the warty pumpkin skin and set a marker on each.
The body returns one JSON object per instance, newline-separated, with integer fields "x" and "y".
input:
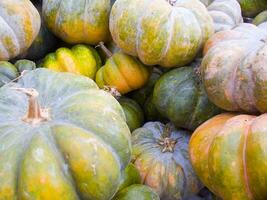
{"x": 159, "y": 32}
{"x": 234, "y": 69}
{"x": 79, "y": 21}
{"x": 179, "y": 95}
{"x": 225, "y": 152}
{"x": 19, "y": 25}
{"x": 251, "y": 8}
{"x": 80, "y": 59}
{"x": 59, "y": 148}
{"x": 160, "y": 153}
{"x": 260, "y": 18}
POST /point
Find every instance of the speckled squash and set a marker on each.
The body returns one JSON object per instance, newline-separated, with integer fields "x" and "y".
{"x": 168, "y": 33}
{"x": 251, "y": 8}
{"x": 226, "y": 14}
{"x": 225, "y": 151}
{"x": 70, "y": 142}
{"x": 234, "y": 69}
{"x": 79, "y": 21}
{"x": 160, "y": 153}
{"x": 80, "y": 59}
{"x": 260, "y": 18}
{"x": 133, "y": 113}
{"x": 134, "y": 192}
{"x": 179, "y": 95}
{"x": 19, "y": 25}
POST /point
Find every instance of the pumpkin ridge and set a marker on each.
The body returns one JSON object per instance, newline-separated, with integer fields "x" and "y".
{"x": 85, "y": 16}
{"x": 57, "y": 16}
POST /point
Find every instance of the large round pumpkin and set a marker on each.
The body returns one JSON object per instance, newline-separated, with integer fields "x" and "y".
{"x": 228, "y": 153}
{"x": 160, "y": 153}
{"x": 164, "y": 32}
{"x": 80, "y": 59}
{"x": 179, "y": 95}
{"x": 19, "y": 25}
{"x": 234, "y": 69}
{"x": 71, "y": 142}
{"x": 250, "y": 8}
{"x": 80, "y": 21}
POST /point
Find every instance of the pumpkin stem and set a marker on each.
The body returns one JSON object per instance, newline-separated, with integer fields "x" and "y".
{"x": 113, "y": 91}
{"x": 166, "y": 143}
{"x": 105, "y": 49}
{"x": 35, "y": 114}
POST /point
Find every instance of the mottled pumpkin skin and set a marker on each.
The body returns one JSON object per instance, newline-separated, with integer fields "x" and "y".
{"x": 79, "y": 21}
{"x": 179, "y": 95}
{"x": 160, "y": 33}
{"x": 251, "y": 8}
{"x": 226, "y": 14}
{"x": 234, "y": 69}
{"x": 80, "y": 59}
{"x": 73, "y": 155}
{"x": 123, "y": 72}
{"x": 225, "y": 151}
{"x": 19, "y": 25}
{"x": 260, "y": 18}
{"x": 133, "y": 113}
{"x": 169, "y": 173}
{"x": 134, "y": 192}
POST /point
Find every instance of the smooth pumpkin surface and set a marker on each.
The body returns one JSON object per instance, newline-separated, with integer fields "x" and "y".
{"x": 75, "y": 147}
{"x": 233, "y": 69}
{"x": 140, "y": 192}
{"x": 251, "y": 8}
{"x": 80, "y": 59}
{"x": 133, "y": 113}
{"x": 123, "y": 72}
{"x": 225, "y": 152}
{"x": 79, "y": 21}
{"x": 179, "y": 95}
{"x": 226, "y": 14}
{"x": 167, "y": 33}
{"x": 160, "y": 153}
{"x": 19, "y": 25}
{"x": 260, "y": 18}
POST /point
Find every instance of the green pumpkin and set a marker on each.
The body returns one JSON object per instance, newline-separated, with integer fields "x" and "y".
{"x": 70, "y": 142}
{"x": 137, "y": 192}
{"x": 260, "y": 18}
{"x": 251, "y": 8}
{"x": 133, "y": 112}
{"x": 179, "y": 96}
{"x": 160, "y": 153}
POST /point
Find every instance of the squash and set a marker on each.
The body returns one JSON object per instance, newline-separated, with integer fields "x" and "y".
{"x": 163, "y": 32}
{"x": 19, "y": 25}
{"x": 80, "y": 59}
{"x": 122, "y": 72}
{"x": 251, "y": 8}
{"x": 134, "y": 192}
{"x": 228, "y": 153}
{"x": 233, "y": 69}
{"x": 78, "y": 22}
{"x": 179, "y": 95}
{"x": 160, "y": 153}
{"x": 61, "y": 138}
{"x": 226, "y": 14}
{"x": 260, "y": 18}
{"x": 10, "y": 72}
{"x": 133, "y": 113}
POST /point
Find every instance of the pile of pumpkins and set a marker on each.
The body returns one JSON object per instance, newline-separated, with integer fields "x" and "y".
{"x": 133, "y": 99}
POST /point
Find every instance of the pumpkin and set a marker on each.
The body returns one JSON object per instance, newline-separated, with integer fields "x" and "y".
{"x": 78, "y": 21}
{"x": 260, "y": 18}
{"x": 80, "y": 59}
{"x": 225, "y": 151}
{"x": 122, "y": 72}
{"x": 226, "y": 14}
{"x": 69, "y": 142}
{"x": 251, "y": 8}
{"x": 233, "y": 69}
{"x": 133, "y": 113}
{"x": 137, "y": 191}
{"x": 179, "y": 95}
{"x": 9, "y": 72}
{"x": 19, "y": 25}
{"x": 163, "y": 32}
{"x": 160, "y": 153}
